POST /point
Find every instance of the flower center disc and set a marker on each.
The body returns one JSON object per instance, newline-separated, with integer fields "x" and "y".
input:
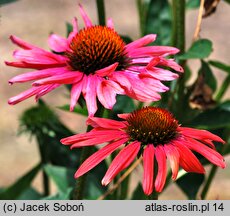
{"x": 95, "y": 48}
{"x": 152, "y": 125}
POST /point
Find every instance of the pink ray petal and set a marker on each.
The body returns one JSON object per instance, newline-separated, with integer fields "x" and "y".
{"x": 24, "y": 95}
{"x": 107, "y": 70}
{"x": 148, "y": 165}
{"x": 85, "y": 17}
{"x": 106, "y": 123}
{"x": 140, "y": 42}
{"x": 162, "y": 168}
{"x": 173, "y": 156}
{"x": 75, "y": 93}
{"x": 188, "y": 160}
{"x": 121, "y": 161}
{"x": 153, "y": 51}
{"x": 48, "y": 89}
{"x": 159, "y": 74}
{"x": 110, "y": 23}
{"x": 89, "y": 93}
{"x": 36, "y": 75}
{"x": 109, "y": 136}
{"x": 75, "y": 30}
{"x": 153, "y": 62}
{"x": 210, "y": 154}
{"x": 199, "y": 134}
{"x": 123, "y": 115}
{"x": 172, "y": 64}
{"x": 64, "y": 78}
{"x": 58, "y": 43}
{"x": 19, "y": 42}
{"x": 99, "y": 156}
{"x": 121, "y": 79}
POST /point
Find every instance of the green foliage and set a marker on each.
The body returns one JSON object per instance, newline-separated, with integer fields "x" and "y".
{"x": 190, "y": 184}
{"x": 220, "y": 65}
{"x": 192, "y": 4}
{"x": 3, "y": 2}
{"x": 199, "y": 50}
{"x": 138, "y": 193}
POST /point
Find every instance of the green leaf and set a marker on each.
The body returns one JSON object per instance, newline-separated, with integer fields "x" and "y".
{"x": 21, "y": 185}
{"x": 218, "y": 117}
{"x": 83, "y": 111}
{"x": 69, "y": 28}
{"x": 190, "y": 184}
{"x": 124, "y": 104}
{"x": 199, "y": 50}
{"x": 62, "y": 176}
{"x": 220, "y": 65}
{"x": 126, "y": 39}
{"x": 30, "y": 194}
{"x": 159, "y": 21}
{"x": 60, "y": 195}
{"x": 2, "y": 2}
{"x": 192, "y": 4}
{"x": 209, "y": 78}
{"x": 138, "y": 193}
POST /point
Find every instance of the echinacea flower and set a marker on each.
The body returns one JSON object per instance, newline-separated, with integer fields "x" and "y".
{"x": 153, "y": 133}
{"x": 97, "y": 63}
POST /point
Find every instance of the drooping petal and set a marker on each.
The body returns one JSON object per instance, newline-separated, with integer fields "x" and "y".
{"x": 172, "y": 64}
{"x": 98, "y": 156}
{"x": 140, "y": 42}
{"x": 75, "y": 93}
{"x": 106, "y": 123}
{"x": 46, "y": 90}
{"x": 58, "y": 43}
{"x": 19, "y": 42}
{"x": 162, "y": 168}
{"x": 148, "y": 166}
{"x": 85, "y": 17}
{"x": 75, "y": 30}
{"x": 36, "y": 75}
{"x": 121, "y": 79}
{"x": 199, "y": 134}
{"x": 210, "y": 154}
{"x": 188, "y": 160}
{"x": 94, "y": 138}
{"x": 121, "y": 161}
{"x": 159, "y": 74}
{"x": 89, "y": 92}
{"x": 153, "y": 51}
{"x": 173, "y": 156}
{"x": 39, "y": 56}
{"x": 64, "y": 78}
{"x": 24, "y": 95}
{"x": 106, "y": 94}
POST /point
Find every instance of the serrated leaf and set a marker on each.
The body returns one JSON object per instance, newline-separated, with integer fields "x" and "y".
{"x": 200, "y": 49}
{"x": 21, "y": 185}
{"x": 220, "y": 66}
{"x": 190, "y": 184}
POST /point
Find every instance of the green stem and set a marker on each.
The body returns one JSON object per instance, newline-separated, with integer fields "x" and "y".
{"x": 44, "y": 161}
{"x": 223, "y": 88}
{"x": 101, "y": 12}
{"x": 86, "y": 152}
{"x": 178, "y": 40}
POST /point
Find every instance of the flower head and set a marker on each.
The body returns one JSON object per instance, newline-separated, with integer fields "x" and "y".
{"x": 98, "y": 65}
{"x": 153, "y": 133}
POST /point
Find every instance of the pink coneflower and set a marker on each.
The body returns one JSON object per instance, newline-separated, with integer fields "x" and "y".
{"x": 150, "y": 132}
{"x": 97, "y": 63}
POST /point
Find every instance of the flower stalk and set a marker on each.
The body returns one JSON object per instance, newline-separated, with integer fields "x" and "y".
{"x": 101, "y": 12}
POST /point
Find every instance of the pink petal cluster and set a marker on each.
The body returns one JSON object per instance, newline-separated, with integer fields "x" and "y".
{"x": 178, "y": 151}
{"x": 141, "y": 79}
